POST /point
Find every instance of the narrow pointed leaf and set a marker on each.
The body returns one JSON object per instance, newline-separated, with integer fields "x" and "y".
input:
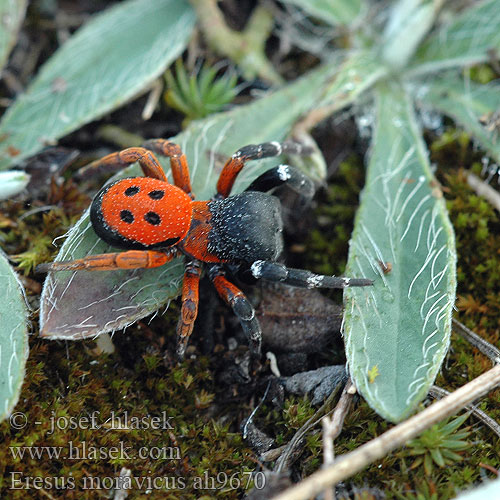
{"x": 106, "y": 63}
{"x": 13, "y": 338}
{"x": 83, "y": 304}
{"x": 468, "y": 103}
{"x": 469, "y": 39}
{"x": 404, "y": 241}
{"x": 11, "y": 17}
{"x": 334, "y": 13}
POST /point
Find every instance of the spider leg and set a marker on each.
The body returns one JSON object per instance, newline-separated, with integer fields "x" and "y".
{"x": 189, "y": 308}
{"x": 273, "y": 271}
{"x": 253, "y": 152}
{"x": 131, "y": 259}
{"x": 240, "y": 305}
{"x": 280, "y": 175}
{"x": 115, "y": 161}
{"x": 178, "y": 162}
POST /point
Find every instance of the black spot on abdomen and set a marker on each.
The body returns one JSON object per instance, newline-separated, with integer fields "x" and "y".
{"x": 127, "y": 216}
{"x": 152, "y": 218}
{"x": 132, "y": 190}
{"x": 157, "y": 194}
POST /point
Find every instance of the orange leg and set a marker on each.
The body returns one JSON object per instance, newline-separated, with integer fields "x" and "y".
{"x": 189, "y": 308}
{"x": 114, "y": 161}
{"x": 131, "y": 259}
{"x": 240, "y": 305}
{"x": 253, "y": 152}
{"x": 178, "y": 162}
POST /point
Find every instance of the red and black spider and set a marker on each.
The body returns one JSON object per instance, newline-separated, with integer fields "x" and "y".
{"x": 154, "y": 221}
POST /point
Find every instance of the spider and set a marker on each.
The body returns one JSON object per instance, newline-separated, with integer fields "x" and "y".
{"x": 154, "y": 221}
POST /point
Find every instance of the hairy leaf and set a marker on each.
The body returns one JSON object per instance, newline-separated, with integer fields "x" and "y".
{"x": 106, "y": 63}
{"x": 473, "y": 37}
{"x": 11, "y": 16}
{"x": 397, "y": 332}
{"x": 83, "y": 304}
{"x": 13, "y": 338}
{"x": 357, "y": 73}
{"x": 471, "y": 105}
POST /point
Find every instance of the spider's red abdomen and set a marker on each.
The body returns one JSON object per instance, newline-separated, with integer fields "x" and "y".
{"x": 141, "y": 212}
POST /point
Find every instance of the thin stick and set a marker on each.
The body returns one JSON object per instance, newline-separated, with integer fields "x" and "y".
{"x": 332, "y": 428}
{"x": 342, "y": 409}
{"x": 484, "y": 190}
{"x": 328, "y": 452}
{"x": 478, "y": 342}
{"x": 350, "y": 463}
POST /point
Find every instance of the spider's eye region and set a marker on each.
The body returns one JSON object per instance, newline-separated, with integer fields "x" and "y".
{"x": 153, "y": 218}
{"x": 127, "y": 216}
{"x": 132, "y": 190}
{"x": 157, "y": 194}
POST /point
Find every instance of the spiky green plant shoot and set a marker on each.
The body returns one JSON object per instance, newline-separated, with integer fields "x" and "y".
{"x": 199, "y": 94}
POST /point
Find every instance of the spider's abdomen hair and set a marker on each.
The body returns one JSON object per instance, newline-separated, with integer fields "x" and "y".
{"x": 246, "y": 227}
{"x": 141, "y": 213}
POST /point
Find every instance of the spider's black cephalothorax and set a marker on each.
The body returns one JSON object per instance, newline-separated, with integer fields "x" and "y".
{"x": 246, "y": 227}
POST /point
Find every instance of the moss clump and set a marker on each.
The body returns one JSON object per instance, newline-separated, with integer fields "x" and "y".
{"x": 102, "y": 413}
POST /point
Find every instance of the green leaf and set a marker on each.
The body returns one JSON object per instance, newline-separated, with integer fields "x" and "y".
{"x": 334, "y": 13}
{"x": 468, "y": 103}
{"x": 409, "y": 22}
{"x": 11, "y": 17}
{"x": 469, "y": 39}
{"x": 82, "y": 304}
{"x": 357, "y": 73}
{"x": 404, "y": 241}
{"x": 453, "y": 425}
{"x": 13, "y": 338}
{"x": 106, "y": 63}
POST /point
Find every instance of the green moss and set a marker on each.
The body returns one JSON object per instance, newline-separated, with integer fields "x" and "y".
{"x": 182, "y": 441}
